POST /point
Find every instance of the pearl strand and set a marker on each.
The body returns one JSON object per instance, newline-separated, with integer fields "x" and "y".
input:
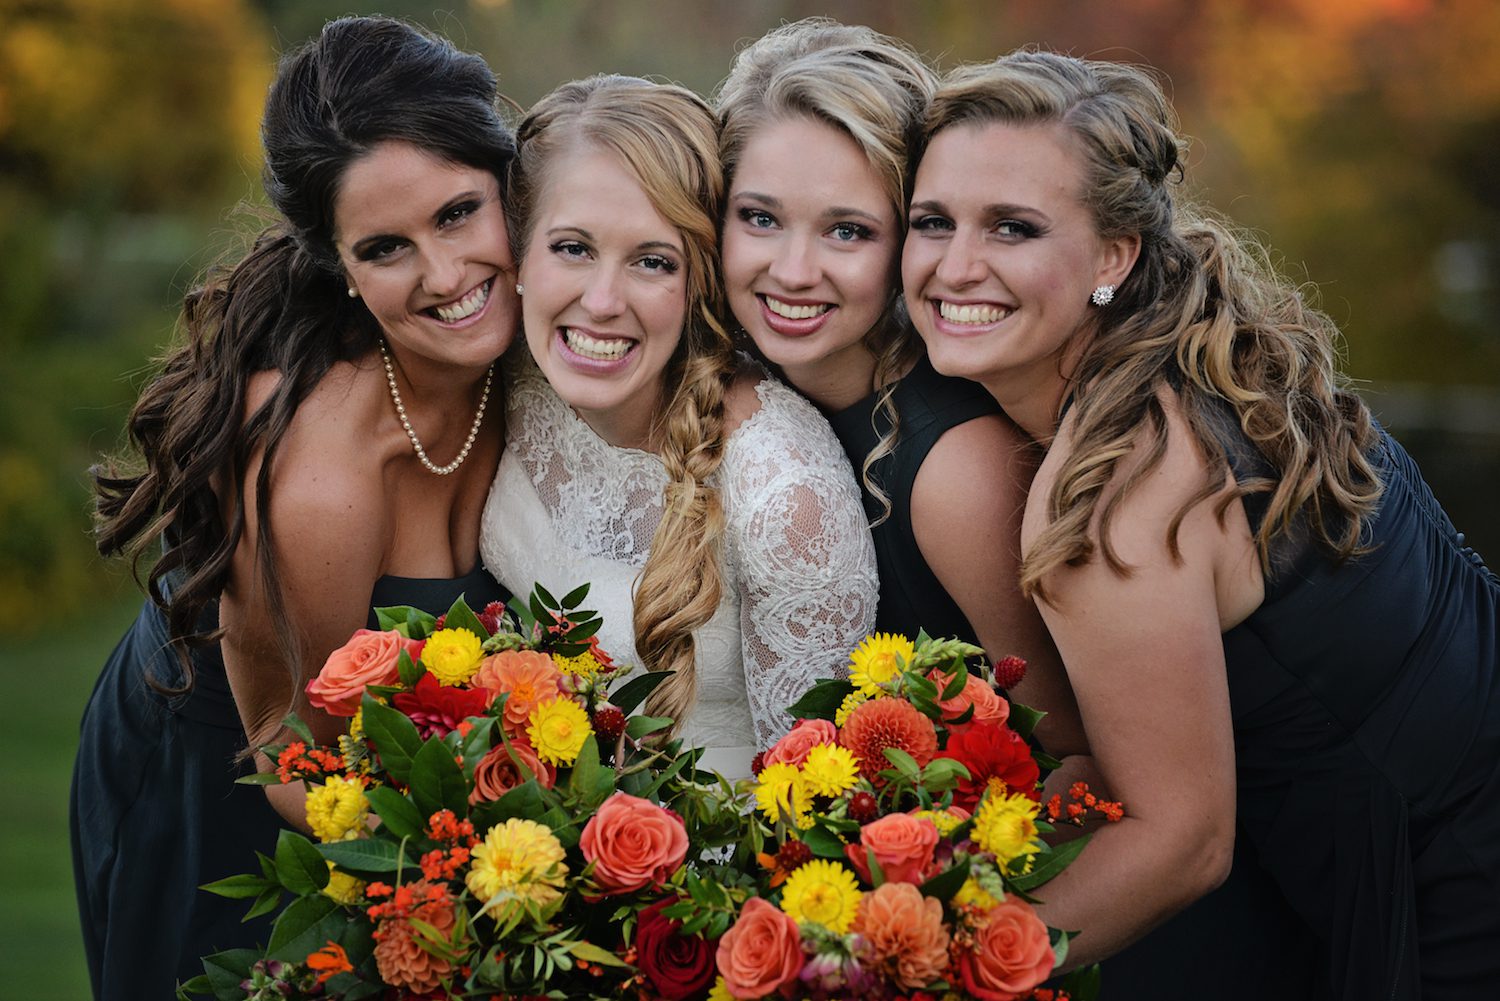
{"x": 390, "y": 379}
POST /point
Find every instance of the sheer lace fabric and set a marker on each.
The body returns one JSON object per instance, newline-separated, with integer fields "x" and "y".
{"x": 800, "y": 588}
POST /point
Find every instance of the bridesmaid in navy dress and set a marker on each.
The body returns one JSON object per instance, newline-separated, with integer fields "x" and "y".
{"x": 322, "y": 443}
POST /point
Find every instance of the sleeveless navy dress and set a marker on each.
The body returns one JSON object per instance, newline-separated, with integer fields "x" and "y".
{"x": 155, "y": 811}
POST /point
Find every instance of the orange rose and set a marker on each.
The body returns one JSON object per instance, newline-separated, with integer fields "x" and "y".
{"x": 903, "y": 933}
{"x": 803, "y": 737}
{"x": 527, "y": 676}
{"x": 988, "y": 705}
{"x": 762, "y": 953}
{"x": 498, "y": 772}
{"x": 369, "y": 658}
{"x": 1011, "y": 954}
{"x": 633, "y": 844}
{"x": 903, "y": 845}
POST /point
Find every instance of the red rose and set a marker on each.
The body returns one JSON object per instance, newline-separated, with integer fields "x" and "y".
{"x": 437, "y": 709}
{"x": 989, "y": 751}
{"x": 676, "y": 966}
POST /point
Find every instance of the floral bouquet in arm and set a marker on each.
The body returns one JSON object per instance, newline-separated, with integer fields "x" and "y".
{"x": 493, "y": 823}
{"x": 904, "y": 828}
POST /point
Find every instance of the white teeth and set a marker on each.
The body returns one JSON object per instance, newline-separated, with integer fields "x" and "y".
{"x": 592, "y": 347}
{"x": 792, "y": 312}
{"x": 972, "y": 314}
{"x": 465, "y": 307}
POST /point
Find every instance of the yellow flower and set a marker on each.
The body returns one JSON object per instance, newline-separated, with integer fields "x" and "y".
{"x": 945, "y": 822}
{"x": 719, "y": 992}
{"x": 823, "y": 893}
{"x": 558, "y": 727}
{"x": 452, "y": 655}
{"x": 781, "y": 792}
{"x": 584, "y": 665}
{"x": 336, "y": 810}
{"x": 518, "y": 861}
{"x": 352, "y": 744}
{"x": 880, "y": 658}
{"x": 1005, "y": 826}
{"x": 830, "y": 770}
{"x": 974, "y": 895}
{"x": 851, "y": 702}
{"x": 342, "y": 888}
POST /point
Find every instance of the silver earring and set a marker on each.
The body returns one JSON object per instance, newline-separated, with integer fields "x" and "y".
{"x": 353, "y": 292}
{"x": 520, "y": 289}
{"x": 1103, "y": 295}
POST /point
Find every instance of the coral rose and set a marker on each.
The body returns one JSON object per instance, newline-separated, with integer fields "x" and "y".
{"x": 762, "y": 953}
{"x": 901, "y": 843}
{"x": 369, "y": 658}
{"x": 633, "y": 843}
{"x": 989, "y": 707}
{"x": 499, "y": 771}
{"x": 903, "y": 934}
{"x": 675, "y": 966}
{"x": 528, "y": 677}
{"x": 802, "y": 738}
{"x": 991, "y": 752}
{"x": 1012, "y": 953}
{"x": 881, "y": 723}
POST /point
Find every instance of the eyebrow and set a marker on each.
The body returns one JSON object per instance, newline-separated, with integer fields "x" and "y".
{"x": 991, "y": 210}
{"x": 358, "y": 248}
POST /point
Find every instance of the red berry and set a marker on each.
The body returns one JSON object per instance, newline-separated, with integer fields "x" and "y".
{"x": 441, "y": 620}
{"x": 609, "y": 723}
{"x": 1009, "y": 671}
{"x": 491, "y": 616}
{"x": 863, "y": 808}
{"x": 792, "y": 854}
{"x": 758, "y": 763}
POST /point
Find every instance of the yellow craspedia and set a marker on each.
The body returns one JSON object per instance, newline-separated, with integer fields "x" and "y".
{"x": 879, "y": 659}
{"x": 557, "y": 728}
{"x": 584, "y": 665}
{"x": 781, "y": 793}
{"x": 945, "y": 822}
{"x": 830, "y": 770}
{"x": 974, "y": 895}
{"x": 1005, "y": 826}
{"x": 851, "y": 702}
{"x": 337, "y": 809}
{"x": 824, "y": 893}
{"x": 452, "y": 655}
{"x": 352, "y": 744}
{"x": 342, "y": 888}
{"x": 518, "y": 861}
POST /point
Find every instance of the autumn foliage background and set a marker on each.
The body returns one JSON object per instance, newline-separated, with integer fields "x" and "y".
{"x": 1362, "y": 137}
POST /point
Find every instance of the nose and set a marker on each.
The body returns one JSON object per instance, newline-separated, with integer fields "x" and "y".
{"x": 601, "y": 297}
{"x": 444, "y": 273}
{"x": 795, "y": 265}
{"x": 962, "y": 263}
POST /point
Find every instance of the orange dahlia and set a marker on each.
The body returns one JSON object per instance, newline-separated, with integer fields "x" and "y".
{"x": 398, "y": 951}
{"x": 528, "y": 677}
{"x": 873, "y": 726}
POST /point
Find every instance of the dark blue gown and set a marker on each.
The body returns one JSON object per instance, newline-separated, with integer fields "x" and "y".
{"x": 156, "y": 813}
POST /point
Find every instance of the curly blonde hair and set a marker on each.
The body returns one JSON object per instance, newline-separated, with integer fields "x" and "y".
{"x": 872, "y": 88}
{"x": 1203, "y": 310}
{"x": 666, "y": 136}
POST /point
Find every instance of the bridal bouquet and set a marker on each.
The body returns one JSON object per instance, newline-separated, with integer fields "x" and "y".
{"x": 903, "y": 827}
{"x": 494, "y": 823}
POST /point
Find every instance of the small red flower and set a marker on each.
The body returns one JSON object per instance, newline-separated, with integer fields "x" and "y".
{"x": 1009, "y": 671}
{"x": 490, "y": 618}
{"x": 609, "y": 723}
{"x": 863, "y": 807}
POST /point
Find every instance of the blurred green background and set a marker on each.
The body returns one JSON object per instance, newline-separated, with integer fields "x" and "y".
{"x": 1360, "y": 137}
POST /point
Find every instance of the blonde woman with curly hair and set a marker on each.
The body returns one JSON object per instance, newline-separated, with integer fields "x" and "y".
{"x": 709, "y": 506}
{"x": 817, "y": 121}
{"x": 1265, "y": 615}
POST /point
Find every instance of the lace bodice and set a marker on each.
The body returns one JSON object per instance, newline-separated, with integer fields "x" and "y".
{"x": 799, "y": 569}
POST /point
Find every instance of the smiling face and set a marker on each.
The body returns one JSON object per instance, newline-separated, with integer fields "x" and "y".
{"x": 423, "y": 241}
{"x": 606, "y": 293}
{"x": 809, "y": 248}
{"x": 1001, "y": 257}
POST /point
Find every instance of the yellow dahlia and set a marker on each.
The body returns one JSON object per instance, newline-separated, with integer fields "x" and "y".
{"x": 781, "y": 792}
{"x": 824, "y": 893}
{"x": 518, "y": 861}
{"x": 830, "y": 770}
{"x": 879, "y": 659}
{"x": 1005, "y": 826}
{"x": 452, "y": 656}
{"x": 584, "y": 665}
{"x": 557, "y": 728}
{"x": 342, "y": 888}
{"x": 337, "y": 809}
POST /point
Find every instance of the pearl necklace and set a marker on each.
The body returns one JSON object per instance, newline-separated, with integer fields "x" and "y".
{"x": 390, "y": 379}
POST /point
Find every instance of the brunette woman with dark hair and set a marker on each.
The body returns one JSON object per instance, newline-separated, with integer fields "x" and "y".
{"x": 322, "y": 443}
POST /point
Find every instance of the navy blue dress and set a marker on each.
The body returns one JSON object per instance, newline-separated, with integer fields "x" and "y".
{"x": 156, "y": 813}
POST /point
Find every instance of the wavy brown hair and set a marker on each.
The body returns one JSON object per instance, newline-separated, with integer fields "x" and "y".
{"x": 282, "y": 307}
{"x": 1203, "y": 312}
{"x": 874, "y": 89}
{"x": 665, "y": 136}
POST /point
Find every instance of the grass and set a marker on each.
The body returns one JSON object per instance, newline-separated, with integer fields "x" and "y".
{"x": 48, "y": 679}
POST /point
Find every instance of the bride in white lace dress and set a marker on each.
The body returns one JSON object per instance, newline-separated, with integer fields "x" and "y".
{"x": 710, "y": 507}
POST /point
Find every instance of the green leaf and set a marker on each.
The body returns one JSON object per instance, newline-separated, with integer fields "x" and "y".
{"x": 589, "y": 781}
{"x": 524, "y": 801}
{"x": 367, "y": 855}
{"x": 1023, "y": 719}
{"x": 824, "y": 843}
{"x": 396, "y": 812}
{"x": 461, "y": 616}
{"x": 546, "y": 598}
{"x": 639, "y": 726}
{"x": 634, "y": 691}
{"x": 436, "y": 781}
{"x": 298, "y": 864}
{"x": 301, "y": 916}
{"x": 1045, "y": 761}
{"x": 259, "y": 779}
{"x": 394, "y": 736}
{"x": 666, "y": 775}
{"x": 589, "y": 952}
{"x": 524, "y": 619}
{"x": 1059, "y": 948}
{"x": 575, "y": 597}
{"x": 419, "y": 624}
{"x": 225, "y": 971}
{"x": 475, "y": 744}
{"x": 822, "y": 700}
{"x": 393, "y": 617}
{"x": 877, "y": 872}
{"x": 1049, "y": 864}
{"x": 920, "y": 687}
{"x": 582, "y": 631}
{"x": 1082, "y": 984}
{"x": 407, "y": 669}
{"x": 295, "y": 724}
{"x": 946, "y": 883}
{"x": 240, "y": 887}
{"x": 266, "y": 903}
{"x": 905, "y": 764}
{"x": 955, "y": 687}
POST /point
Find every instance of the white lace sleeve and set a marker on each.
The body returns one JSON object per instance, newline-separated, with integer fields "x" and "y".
{"x": 800, "y": 551}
